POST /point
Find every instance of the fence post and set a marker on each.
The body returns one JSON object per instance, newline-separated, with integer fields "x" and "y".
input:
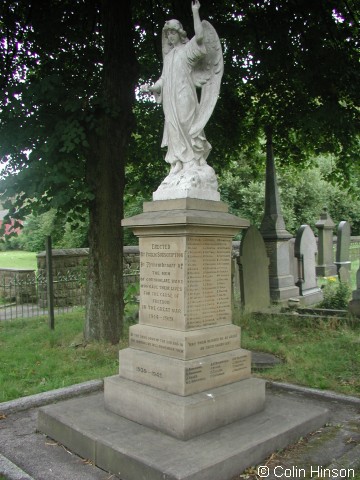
{"x": 49, "y": 283}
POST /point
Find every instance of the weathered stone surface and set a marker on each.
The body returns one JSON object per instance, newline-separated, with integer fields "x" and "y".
{"x": 354, "y": 305}
{"x": 254, "y": 271}
{"x": 343, "y": 262}
{"x": 325, "y": 226}
{"x": 185, "y": 204}
{"x": 275, "y": 235}
{"x": 184, "y": 417}
{"x": 305, "y": 252}
{"x": 185, "y": 282}
{"x": 134, "y": 451}
{"x": 185, "y": 377}
{"x": 184, "y": 345}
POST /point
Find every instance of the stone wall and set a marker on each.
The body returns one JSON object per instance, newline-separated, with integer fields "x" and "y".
{"x": 69, "y": 272}
{"x": 17, "y": 285}
{"x": 69, "y": 275}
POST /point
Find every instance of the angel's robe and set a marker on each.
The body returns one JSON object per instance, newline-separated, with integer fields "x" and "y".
{"x": 181, "y": 105}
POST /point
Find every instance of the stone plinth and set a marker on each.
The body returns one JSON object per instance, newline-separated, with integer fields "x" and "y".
{"x": 185, "y": 347}
{"x": 131, "y": 451}
{"x": 184, "y": 417}
{"x": 325, "y": 257}
{"x": 282, "y": 283}
{"x": 184, "y": 406}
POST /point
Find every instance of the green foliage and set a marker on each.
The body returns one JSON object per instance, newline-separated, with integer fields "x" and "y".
{"x": 64, "y": 234}
{"x": 131, "y": 300}
{"x": 37, "y": 228}
{"x": 303, "y": 193}
{"x": 133, "y": 205}
{"x": 75, "y": 234}
{"x": 317, "y": 353}
{"x": 336, "y": 294}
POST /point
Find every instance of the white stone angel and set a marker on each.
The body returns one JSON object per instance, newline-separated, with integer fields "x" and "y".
{"x": 188, "y": 65}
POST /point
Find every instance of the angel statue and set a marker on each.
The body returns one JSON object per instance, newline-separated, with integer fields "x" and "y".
{"x": 187, "y": 65}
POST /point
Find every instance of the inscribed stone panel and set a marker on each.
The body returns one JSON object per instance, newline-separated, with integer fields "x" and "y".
{"x": 208, "y": 281}
{"x": 185, "y": 282}
{"x": 184, "y": 377}
{"x": 162, "y": 281}
{"x": 185, "y": 345}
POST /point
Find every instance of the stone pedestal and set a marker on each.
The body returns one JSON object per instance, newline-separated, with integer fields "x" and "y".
{"x": 325, "y": 259}
{"x": 184, "y": 368}
{"x": 184, "y": 405}
{"x": 282, "y": 283}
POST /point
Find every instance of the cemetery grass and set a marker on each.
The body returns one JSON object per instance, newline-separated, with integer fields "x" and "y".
{"x": 317, "y": 353}
{"x": 35, "y": 359}
{"x": 18, "y": 259}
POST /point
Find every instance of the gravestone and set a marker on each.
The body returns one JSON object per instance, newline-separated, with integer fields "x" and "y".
{"x": 254, "y": 272}
{"x": 325, "y": 259}
{"x": 276, "y": 237}
{"x": 305, "y": 252}
{"x": 354, "y": 305}
{"x": 343, "y": 263}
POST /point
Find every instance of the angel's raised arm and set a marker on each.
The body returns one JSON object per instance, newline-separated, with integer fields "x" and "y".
{"x": 198, "y": 28}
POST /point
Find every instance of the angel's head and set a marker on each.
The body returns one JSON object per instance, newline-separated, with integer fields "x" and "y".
{"x": 175, "y": 26}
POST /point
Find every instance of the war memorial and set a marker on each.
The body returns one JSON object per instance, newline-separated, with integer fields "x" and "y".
{"x": 184, "y": 404}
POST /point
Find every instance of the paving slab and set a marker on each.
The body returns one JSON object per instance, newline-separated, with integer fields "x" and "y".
{"x": 133, "y": 451}
{"x": 335, "y": 444}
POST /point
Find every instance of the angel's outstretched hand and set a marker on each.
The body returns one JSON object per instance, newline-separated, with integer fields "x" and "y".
{"x": 195, "y": 5}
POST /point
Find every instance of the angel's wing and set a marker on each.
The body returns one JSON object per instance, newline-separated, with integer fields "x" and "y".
{"x": 207, "y": 74}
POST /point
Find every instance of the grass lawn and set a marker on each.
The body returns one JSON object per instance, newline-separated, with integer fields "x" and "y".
{"x": 18, "y": 259}
{"x": 319, "y": 354}
{"x": 34, "y": 359}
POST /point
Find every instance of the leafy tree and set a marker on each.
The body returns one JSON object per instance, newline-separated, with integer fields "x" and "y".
{"x": 37, "y": 227}
{"x": 303, "y": 194}
{"x": 68, "y": 75}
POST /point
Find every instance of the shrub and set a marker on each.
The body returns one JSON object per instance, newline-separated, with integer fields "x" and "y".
{"x": 336, "y": 295}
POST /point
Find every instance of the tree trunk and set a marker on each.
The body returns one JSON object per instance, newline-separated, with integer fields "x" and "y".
{"x": 105, "y": 176}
